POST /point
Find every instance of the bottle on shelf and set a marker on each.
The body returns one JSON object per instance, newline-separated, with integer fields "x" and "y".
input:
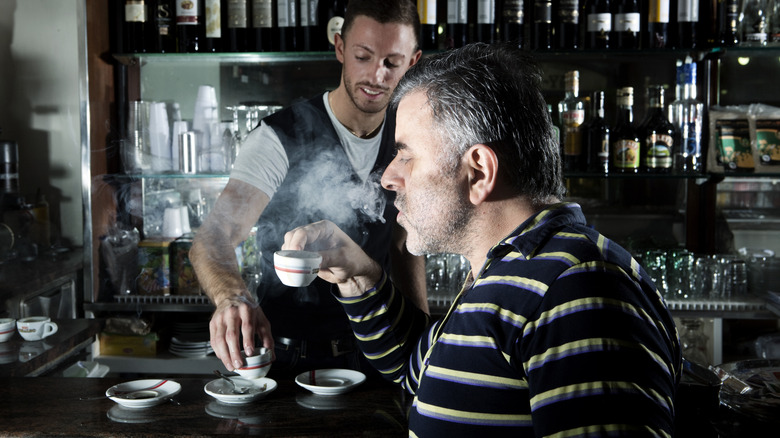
{"x": 774, "y": 23}
{"x": 657, "y": 18}
{"x": 429, "y": 24}
{"x": 656, "y": 134}
{"x": 136, "y": 23}
{"x": 598, "y": 24}
{"x": 308, "y": 24}
{"x": 753, "y": 24}
{"x": 330, "y": 17}
{"x": 688, "y": 119}
{"x": 555, "y": 125}
{"x": 190, "y": 26}
{"x": 625, "y": 145}
{"x": 571, "y": 111}
{"x": 457, "y": 28}
{"x": 213, "y": 12}
{"x": 288, "y": 26}
{"x": 626, "y": 22}
{"x": 512, "y": 19}
{"x": 687, "y": 23}
{"x": 566, "y": 24}
{"x": 541, "y": 25}
{"x": 164, "y": 39}
{"x": 235, "y": 26}
{"x": 485, "y": 22}
{"x": 595, "y": 136}
{"x": 728, "y": 21}
{"x": 262, "y": 35}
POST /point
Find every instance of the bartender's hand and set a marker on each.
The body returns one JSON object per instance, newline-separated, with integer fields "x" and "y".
{"x": 343, "y": 261}
{"x": 238, "y": 318}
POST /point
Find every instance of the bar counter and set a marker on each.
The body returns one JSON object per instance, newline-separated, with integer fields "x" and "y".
{"x": 52, "y": 406}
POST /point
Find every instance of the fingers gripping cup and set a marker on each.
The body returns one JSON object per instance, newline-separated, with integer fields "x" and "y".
{"x": 297, "y": 268}
{"x": 35, "y": 328}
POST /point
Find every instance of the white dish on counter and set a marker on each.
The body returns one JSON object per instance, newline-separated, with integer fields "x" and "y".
{"x": 330, "y": 381}
{"x": 223, "y": 392}
{"x": 143, "y": 393}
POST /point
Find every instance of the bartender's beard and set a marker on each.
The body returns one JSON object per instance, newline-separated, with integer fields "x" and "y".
{"x": 365, "y": 105}
{"x": 436, "y": 220}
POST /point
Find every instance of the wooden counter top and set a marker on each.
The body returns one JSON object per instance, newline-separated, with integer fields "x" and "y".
{"x": 19, "y": 358}
{"x": 51, "y": 406}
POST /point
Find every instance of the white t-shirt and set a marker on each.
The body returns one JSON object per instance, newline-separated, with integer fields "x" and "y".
{"x": 262, "y": 161}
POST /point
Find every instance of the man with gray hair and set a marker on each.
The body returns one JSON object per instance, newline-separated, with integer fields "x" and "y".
{"x": 558, "y": 331}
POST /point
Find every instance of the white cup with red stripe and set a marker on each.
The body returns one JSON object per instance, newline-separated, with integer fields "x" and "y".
{"x": 297, "y": 268}
{"x": 256, "y": 366}
{"x": 7, "y": 328}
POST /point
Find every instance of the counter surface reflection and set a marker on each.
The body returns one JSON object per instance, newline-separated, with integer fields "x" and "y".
{"x": 52, "y": 406}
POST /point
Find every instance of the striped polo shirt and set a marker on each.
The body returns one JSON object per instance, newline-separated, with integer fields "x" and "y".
{"x": 560, "y": 334}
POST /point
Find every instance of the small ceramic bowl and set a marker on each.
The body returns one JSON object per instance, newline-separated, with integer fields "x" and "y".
{"x": 257, "y": 366}
{"x": 7, "y": 328}
{"x": 297, "y": 268}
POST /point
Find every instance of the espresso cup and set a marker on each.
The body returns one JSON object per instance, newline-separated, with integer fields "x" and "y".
{"x": 7, "y": 328}
{"x": 35, "y": 328}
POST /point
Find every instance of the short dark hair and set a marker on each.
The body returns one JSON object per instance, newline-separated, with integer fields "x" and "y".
{"x": 384, "y": 11}
{"x": 491, "y": 94}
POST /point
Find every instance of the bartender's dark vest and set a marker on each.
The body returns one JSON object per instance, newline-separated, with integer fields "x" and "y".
{"x": 319, "y": 185}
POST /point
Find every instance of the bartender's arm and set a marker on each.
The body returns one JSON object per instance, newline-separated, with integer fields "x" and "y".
{"x": 214, "y": 259}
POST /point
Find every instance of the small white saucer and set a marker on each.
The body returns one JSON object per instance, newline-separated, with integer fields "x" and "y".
{"x": 330, "y": 381}
{"x": 223, "y": 392}
{"x": 158, "y": 391}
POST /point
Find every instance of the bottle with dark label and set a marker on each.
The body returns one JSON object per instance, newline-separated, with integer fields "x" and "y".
{"x": 213, "y": 11}
{"x": 511, "y": 28}
{"x": 595, "y": 137}
{"x": 289, "y": 25}
{"x": 485, "y": 23}
{"x": 330, "y": 17}
{"x": 566, "y": 24}
{"x": 687, "y": 23}
{"x": 457, "y": 29}
{"x": 235, "y": 26}
{"x": 728, "y": 21}
{"x": 541, "y": 25}
{"x": 190, "y": 27}
{"x": 687, "y": 116}
{"x": 624, "y": 150}
{"x": 429, "y": 24}
{"x": 262, "y": 35}
{"x": 657, "y": 18}
{"x": 136, "y": 26}
{"x": 598, "y": 24}
{"x": 626, "y": 22}
{"x": 308, "y": 24}
{"x": 657, "y": 134}
{"x": 572, "y": 113}
{"x": 163, "y": 38}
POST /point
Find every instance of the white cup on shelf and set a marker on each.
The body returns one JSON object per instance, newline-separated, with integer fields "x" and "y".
{"x": 172, "y": 226}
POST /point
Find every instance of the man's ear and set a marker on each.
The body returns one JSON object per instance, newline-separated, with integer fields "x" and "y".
{"x": 338, "y": 43}
{"x": 482, "y": 166}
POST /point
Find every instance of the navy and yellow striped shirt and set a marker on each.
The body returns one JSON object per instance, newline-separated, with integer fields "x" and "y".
{"x": 561, "y": 334}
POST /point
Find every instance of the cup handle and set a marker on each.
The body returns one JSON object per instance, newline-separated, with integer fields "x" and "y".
{"x": 49, "y": 329}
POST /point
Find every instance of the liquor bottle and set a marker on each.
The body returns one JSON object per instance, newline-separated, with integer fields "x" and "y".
{"x": 657, "y": 134}
{"x": 598, "y": 24}
{"x": 566, "y": 24}
{"x": 308, "y": 24}
{"x": 262, "y": 36}
{"x": 626, "y": 22}
{"x": 753, "y": 24}
{"x": 213, "y": 21}
{"x": 288, "y": 25}
{"x": 190, "y": 27}
{"x": 541, "y": 30}
{"x": 135, "y": 26}
{"x": 572, "y": 113}
{"x": 457, "y": 29}
{"x": 688, "y": 119}
{"x": 774, "y": 23}
{"x": 728, "y": 21}
{"x": 164, "y": 40}
{"x": 485, "y": 27}
{"x": 429, "y": 24}
{"x": 624, "y": 139}
{"x": 687, "y": 23}
{"x": 595, "y": 137}
{"x": 330, "y": 17}
{"x": 554, "y": 125}
{"x": 657, "y": 33}
{"x": 235, "y": 26}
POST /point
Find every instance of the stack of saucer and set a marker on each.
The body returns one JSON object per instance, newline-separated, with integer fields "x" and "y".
{"x": 190, "y": 339}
